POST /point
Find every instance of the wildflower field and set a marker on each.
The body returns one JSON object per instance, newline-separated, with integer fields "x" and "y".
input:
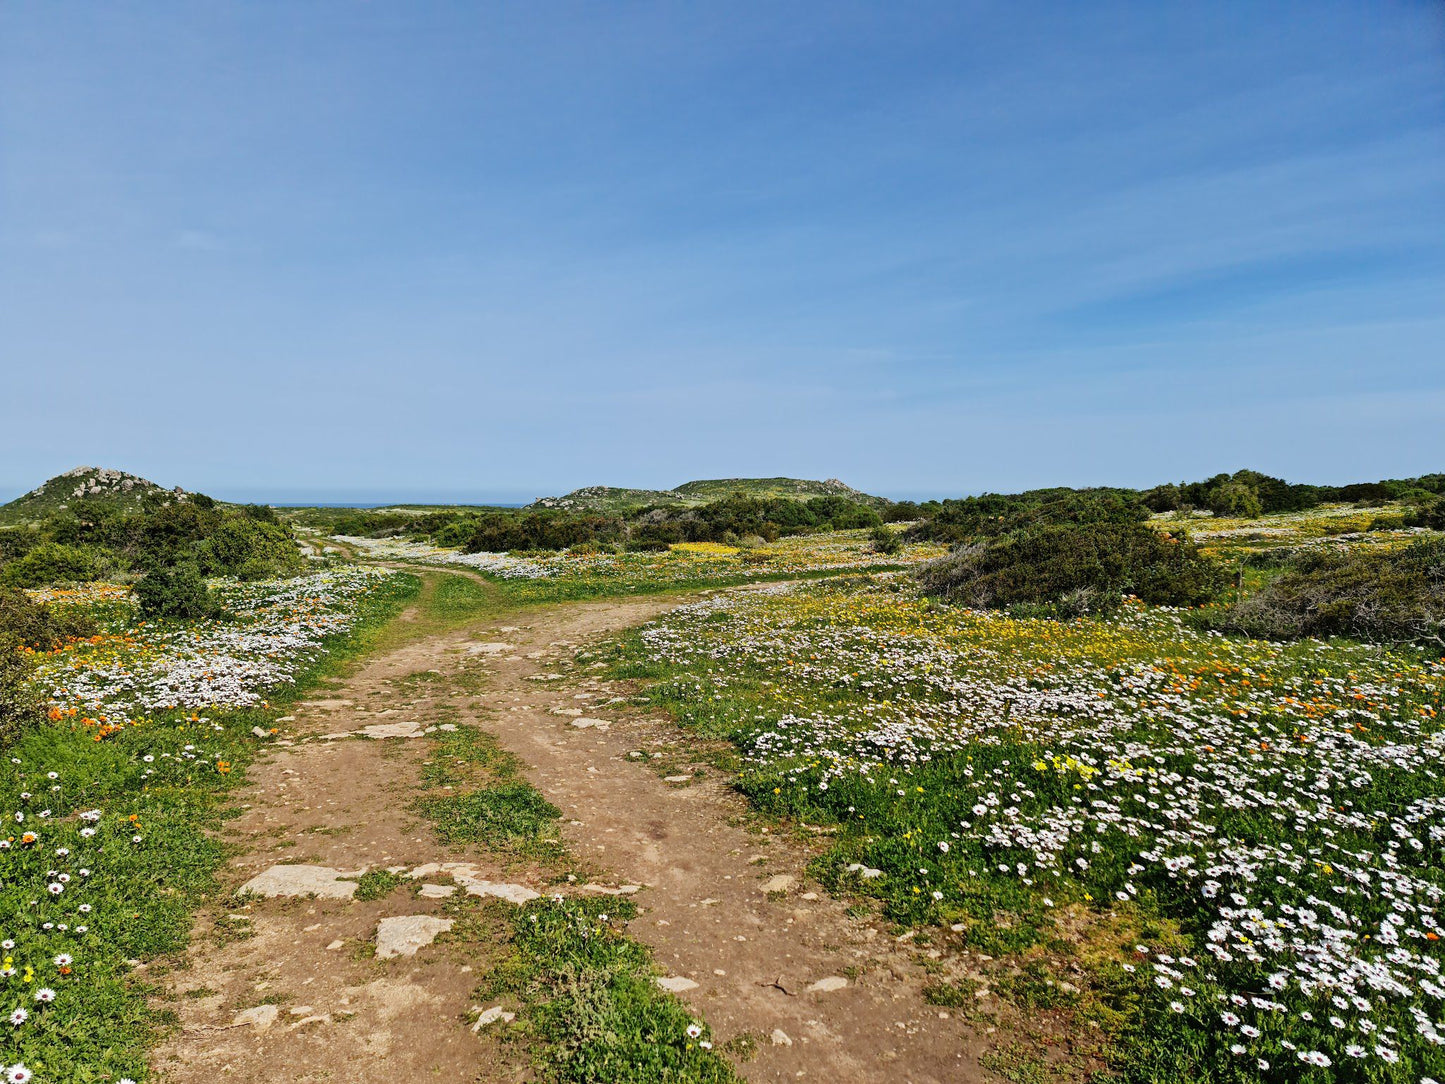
{"x": 553, "y": 576}
{"x": 107, "y": 855}
{"x": 1251, "y": 830}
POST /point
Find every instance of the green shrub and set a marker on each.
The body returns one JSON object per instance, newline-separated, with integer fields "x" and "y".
{"x": 995, "y": 514}
{"x": 1392, "y": 596}
{"x": 21, "y": 705}
{"x": 884, "y": 540}
{"x": 177, "y": 590}
{"x": 37, "y": 626}
{"x": 1234, "y": 499}
{"x": 50, "y": 562}
{"x": 1085, "y": 566}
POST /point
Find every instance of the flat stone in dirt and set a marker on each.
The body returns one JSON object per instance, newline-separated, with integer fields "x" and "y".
{"x": 405, "y": 934}
{"x": 779, "y": 883}
{"x": 320, "y": 881}
{"x": 584, "y": 723}
{"x": 261, "y": 1017}
{"x": 490, "y": 649}
{"x": 828, "y": 985}
{"x": 392, "y": 730}
{"x": 677, "y": 984}
{"x": 491, "y": 1016}
{"x": 471, "y": 879}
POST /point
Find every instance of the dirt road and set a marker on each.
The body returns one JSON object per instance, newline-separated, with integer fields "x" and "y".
{"x": 724, "y": 904}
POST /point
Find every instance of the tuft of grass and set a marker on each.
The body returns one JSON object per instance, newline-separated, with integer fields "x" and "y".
{"x": 590, "y": 1001}
{"x": 511, "y": 814}
{"x": 378, "y": 883}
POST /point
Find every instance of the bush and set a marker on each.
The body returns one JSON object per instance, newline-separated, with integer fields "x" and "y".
{"x": 36, "y": 626}
{"x": 885, "y": 540}
{"x": 21, "y": 705}
{"x": 1087, "y": 566}
{"x": 1234, "y": 499}
{"x": 177, "y": 590}
{"x": 50, "y": 562}
{"x": 995, "y": 514}
{"x": 1391, "y": 597}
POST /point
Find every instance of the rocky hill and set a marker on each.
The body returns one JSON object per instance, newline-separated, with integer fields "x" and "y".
{"x": 82, "y": 488}
{"x": 613, "y": 498}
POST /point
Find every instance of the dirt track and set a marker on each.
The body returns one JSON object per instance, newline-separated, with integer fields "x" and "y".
{"x": 343, "y": 1016}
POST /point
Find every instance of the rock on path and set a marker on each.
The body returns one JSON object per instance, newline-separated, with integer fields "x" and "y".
{"x": 405, "y": 934}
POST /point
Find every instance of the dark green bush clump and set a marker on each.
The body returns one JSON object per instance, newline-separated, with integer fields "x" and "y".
{"x": 726, "y": 520}
{"x": 21, "y": 706}
{"x": 884, "y": 540}
{"x": 177, "y": 590}
{"x": 50, "y": 562}
{"x": 995, "y": 514}
{"x": 1389, "y": 597}
{"x": 36, "y": 626}
{"x": 1086, "y": 567}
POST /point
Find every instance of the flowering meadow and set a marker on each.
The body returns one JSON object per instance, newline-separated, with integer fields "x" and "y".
{"x": 567, "y": 574}
{"x": 1254, "y": 830}
{"x": 107, "y": 854}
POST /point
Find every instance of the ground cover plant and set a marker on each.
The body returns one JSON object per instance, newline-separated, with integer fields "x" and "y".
{"x": 552, "y": 577}
{"x": 1261, "y": 818}
{"x": 110, "y": 797}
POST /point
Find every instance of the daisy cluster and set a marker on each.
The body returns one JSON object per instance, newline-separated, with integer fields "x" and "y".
{"x": 402, "y": 549}
{"x": 687, "y": 562}
{"x": 1282, "y": 805}
{"x": 275, "y": 630}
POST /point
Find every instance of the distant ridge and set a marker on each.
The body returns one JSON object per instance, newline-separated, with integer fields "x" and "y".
{"x": 81, "y": 488}
{"x": 609, "y": 498}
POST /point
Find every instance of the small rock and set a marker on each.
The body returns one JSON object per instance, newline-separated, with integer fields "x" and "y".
{"x": 261, "y": 1017}
{"x": 437, "y": 892}
{"x": 780, "y": 1038}
{"x": 677, "y": 779}
{"x": 676, "y": 984}
{"x": 404, "y": 935}
{"x": 868, "y": 873}
{"x": 490, "y": 649}
{"x": 335, "y": 945}
{"x": 584, "y": 722}
{"x": 492, "y": 1015}
{"x": 779, "y": 883}
{"x": 828, "y": 985}
{"x": 256, "y": 730}
{"x": 574, "y": 712}
{"x": 392, "y": 730}
{"x": 318, "y": 1018}
{"x": 810, "y": 896}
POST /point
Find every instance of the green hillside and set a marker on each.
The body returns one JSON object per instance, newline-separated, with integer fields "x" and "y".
{"x": 702, "y": 491}
{"x": 80, "y": 489}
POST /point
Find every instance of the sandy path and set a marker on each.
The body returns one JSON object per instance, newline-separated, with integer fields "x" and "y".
{"x": 342, "y": 1015}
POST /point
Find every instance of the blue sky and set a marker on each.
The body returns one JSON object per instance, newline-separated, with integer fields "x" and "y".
{"x": 302, "y": 249}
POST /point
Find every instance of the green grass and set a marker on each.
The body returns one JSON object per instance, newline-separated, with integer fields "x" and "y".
{"x": 378, "y": 884}
{"x": 144, "y": 895}
{"x": 590, "y": 1006}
